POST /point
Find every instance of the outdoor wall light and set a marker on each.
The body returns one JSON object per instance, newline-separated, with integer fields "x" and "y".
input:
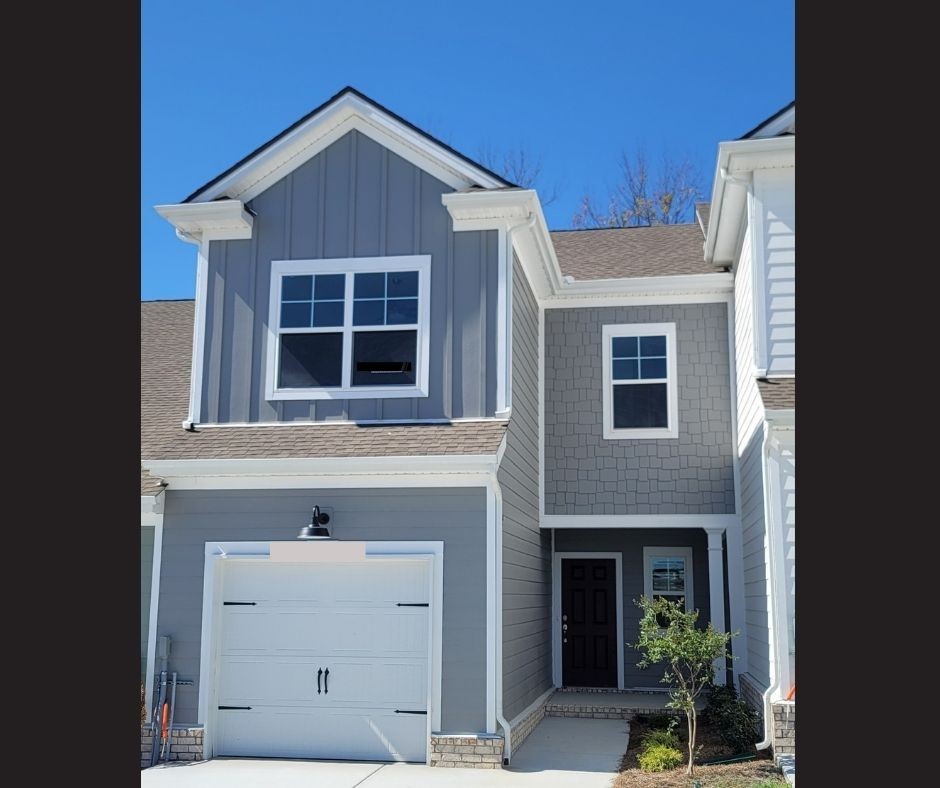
{"x": 316, "y": 529}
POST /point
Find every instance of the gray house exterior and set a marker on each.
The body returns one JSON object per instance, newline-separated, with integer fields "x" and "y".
{"x": 511, "y": 432}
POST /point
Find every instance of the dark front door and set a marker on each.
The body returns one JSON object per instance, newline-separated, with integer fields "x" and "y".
{"x": 588, "y": 622}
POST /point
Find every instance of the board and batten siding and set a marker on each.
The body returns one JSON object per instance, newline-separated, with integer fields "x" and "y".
{"x": 630, "y": 542}
{"x": 353, "y": 199}
{"x": 587, "y": 474}
{"x": 774, "y": 198}
{"x": 146, "y": 574}
{"x": 527, "y": 567}
{"x": 455, "y": 516}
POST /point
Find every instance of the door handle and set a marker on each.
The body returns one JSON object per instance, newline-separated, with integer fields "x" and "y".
{"x": 326, "y": 682}
{"x": 319, "y": 673}
{"x": 564, "y": 627}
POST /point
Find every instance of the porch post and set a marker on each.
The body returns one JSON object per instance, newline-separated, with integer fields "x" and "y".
{"x": 716, "y": 588}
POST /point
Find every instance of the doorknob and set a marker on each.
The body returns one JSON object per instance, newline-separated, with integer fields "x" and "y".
{"x": 564, "y": 627}
{"x": 564, "y": 617}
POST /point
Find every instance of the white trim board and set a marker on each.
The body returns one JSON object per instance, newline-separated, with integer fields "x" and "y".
{"x": 556, "y": 610}
{"x": 216, "y": 552}
{"x": 154, "y": 612}
{"x": 347, "y": 112}
{"x": 639, "y": 521}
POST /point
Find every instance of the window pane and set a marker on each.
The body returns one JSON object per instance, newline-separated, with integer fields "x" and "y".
{"x": 653, "y": 346}
{"x": 652, "y": 368}
{"x": 402, "y": 311}
{"x": 369, "y": 286}
{"x": 384, "y": 357}
{"x": 331, "y": 286}
{"x": 297, "y": 288}
{"x": 668, "y": 575}
{"x": 369, "y": 313}
{"x": 295, "y": 315}
{"x": 624, "y": 347}
{"x": 640, "y": 405}
{"x": 328, "y": 313}
{"x": 402, "y": 283}
{"x": 625, "y": 370}
{"x": 311, "y": 360}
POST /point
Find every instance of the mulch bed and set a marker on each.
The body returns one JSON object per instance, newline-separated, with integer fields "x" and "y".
{"x": 748, "y": 774}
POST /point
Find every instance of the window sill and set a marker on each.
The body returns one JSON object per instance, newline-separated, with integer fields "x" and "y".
{"x": 646, "y": 433}
{"x": 360, "y": 392}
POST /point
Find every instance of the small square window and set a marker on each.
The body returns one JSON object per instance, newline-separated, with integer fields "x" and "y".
{"x": 667, "y": 574}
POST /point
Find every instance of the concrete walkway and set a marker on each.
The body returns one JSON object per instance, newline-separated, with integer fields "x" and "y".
{"x": 559, "y": 753}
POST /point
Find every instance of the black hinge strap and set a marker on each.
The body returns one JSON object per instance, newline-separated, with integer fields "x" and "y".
{"x": 411, "y": 604}
{"x": 223, "y": 708}
{"x": 239, "y": 603}
{"x": 403, "y": 711}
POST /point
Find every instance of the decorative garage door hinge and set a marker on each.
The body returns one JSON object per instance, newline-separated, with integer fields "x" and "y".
{"x": 403, "y": 711}
{"x": 239, "y": 603}
{"x": 411, "y": 604}
{"x": 224, "y": 708}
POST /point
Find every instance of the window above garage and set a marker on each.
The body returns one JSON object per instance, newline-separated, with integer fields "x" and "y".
{"x": 349, "y": 328}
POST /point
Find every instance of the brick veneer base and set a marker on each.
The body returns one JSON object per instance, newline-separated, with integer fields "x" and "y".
{"x": 186, "y": 744}
{"x": 472, "y": 751}
{"x": 785, "y": 727}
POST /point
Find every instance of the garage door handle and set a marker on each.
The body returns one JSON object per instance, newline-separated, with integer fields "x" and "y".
{"x": 319, "y": 673}
{"x": 326, "y": 682}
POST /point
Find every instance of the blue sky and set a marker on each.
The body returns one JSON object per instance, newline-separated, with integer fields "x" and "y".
{"x": 574, "y": 83}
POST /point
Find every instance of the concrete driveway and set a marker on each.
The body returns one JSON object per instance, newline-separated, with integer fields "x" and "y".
{"x": 562, "y": 752}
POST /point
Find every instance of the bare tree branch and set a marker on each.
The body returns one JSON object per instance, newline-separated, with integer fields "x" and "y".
{"x": 521, "y": 167}
{"x": 642, "y": 198}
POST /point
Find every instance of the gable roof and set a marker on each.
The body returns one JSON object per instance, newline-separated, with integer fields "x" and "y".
{"x": 166, "y": 333}
{"x": 777, "y": 393}
{"x": 783, "y": 121}
{"x": 662, "y": 250}
{"x": 204, "y": 191}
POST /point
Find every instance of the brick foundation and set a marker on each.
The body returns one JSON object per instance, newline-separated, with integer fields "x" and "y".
{"x": 784, "y": 727}
{"x": 472, "y": 751}
{"x": 186, "y": 745}
{"x": 525, "y": 726}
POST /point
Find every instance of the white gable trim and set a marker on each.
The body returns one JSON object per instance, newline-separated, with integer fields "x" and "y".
{"x": 348, "y": 112}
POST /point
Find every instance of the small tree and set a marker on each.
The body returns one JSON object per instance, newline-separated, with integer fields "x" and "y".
{"x": 668, "y": 634}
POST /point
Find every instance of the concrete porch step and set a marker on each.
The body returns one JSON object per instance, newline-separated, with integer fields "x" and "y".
{"x": 612, "y": 704}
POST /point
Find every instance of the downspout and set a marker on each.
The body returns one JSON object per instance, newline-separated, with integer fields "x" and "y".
{"x": 500, "y": 718}
{"x": 772, "y": 557}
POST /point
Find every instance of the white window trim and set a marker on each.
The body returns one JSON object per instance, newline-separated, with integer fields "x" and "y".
{"x": 351, "y": 265}
{"x": 671, "y": 430}
{"x": 649, "y": 553}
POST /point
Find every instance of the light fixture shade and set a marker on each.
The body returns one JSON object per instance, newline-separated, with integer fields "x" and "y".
{"x": 316, "y": 529}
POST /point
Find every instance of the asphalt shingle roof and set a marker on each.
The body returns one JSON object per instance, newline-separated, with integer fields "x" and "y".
{"x": 663, "y": 250}
{"x": 778, "y": 393}
{"x": 166, "y": 352}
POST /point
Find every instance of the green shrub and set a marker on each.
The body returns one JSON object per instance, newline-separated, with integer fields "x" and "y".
{"x": 661, "y": 720}
{"x": 659, "y": 758}
{"x": 661, "y": 737}
{"x": 143, "y": 710}
{"x": 737, "y": 723}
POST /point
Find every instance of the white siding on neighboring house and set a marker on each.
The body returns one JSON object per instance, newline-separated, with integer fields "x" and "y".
{"x": 750, "y": 407}
{"x": 775, "y": 236}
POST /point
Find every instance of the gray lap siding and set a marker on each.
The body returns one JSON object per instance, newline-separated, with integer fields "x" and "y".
{"x": 455, "y": 516}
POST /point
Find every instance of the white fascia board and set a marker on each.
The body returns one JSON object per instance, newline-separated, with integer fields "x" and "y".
{"x": 739, "y": 159}
{"x": 577, "y": 521}
{"x": 786, "y": 121}
{"x": 327, "y": 467}
{"x": 151, "y": 504}
{"x": 502, "y": 210}
{"x": 220, "y": 220}
{"x": 719, "y": 283}
{"x": 319, "y": 131}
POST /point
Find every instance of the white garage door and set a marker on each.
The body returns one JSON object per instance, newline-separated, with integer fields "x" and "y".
{"x": 324, "y": 660}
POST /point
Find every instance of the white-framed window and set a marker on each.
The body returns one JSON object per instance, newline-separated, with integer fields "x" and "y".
{"x": 667, "y": 572}
{"x": 349, "y": 328}
{"x": 641, "y": 398}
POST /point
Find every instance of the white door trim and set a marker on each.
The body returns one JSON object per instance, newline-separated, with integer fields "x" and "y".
{"x": 216, "y": 551}
{"x": 556, "y": 609}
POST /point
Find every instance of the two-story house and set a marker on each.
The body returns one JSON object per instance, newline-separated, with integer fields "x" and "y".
{"x": 409, "y": 457}
{"x": 751, "y": 230}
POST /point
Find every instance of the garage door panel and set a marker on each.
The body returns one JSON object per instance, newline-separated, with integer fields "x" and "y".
{"x": 258, "y": 630}
{"x": 255, "y": 682}
{"x": 381, "y": 683}
{"x": 360, "y": 734}
{"x": 378, "y": 632}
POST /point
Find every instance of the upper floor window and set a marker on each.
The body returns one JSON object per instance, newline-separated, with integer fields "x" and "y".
{"x": 640, "y": 397}
{"x": 349, "y": 329}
